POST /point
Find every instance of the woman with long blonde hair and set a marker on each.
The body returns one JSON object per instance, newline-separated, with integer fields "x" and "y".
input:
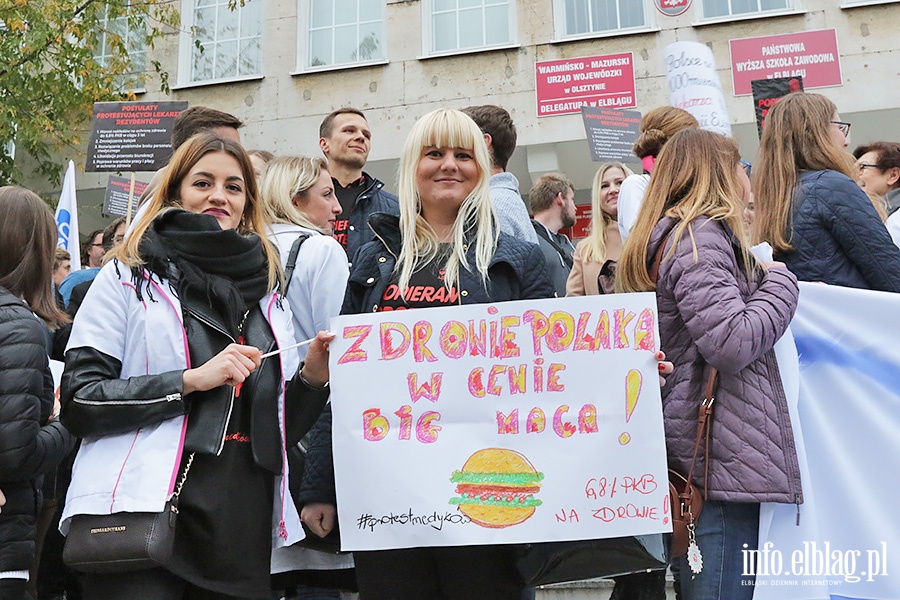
{"x": 444, "y": 249}
{"x": 165, "y": 379}
{"x": 718, "y": 309}
{"x": 604, "y": 242}
{"x": 808, "y": 206}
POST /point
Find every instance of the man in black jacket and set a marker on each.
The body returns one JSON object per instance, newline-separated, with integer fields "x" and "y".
{"x": 345, "y": 139}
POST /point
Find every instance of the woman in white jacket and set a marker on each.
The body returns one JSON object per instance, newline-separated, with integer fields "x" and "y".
{"x": 165, "y": 376}
{"x": 298, "y": 194}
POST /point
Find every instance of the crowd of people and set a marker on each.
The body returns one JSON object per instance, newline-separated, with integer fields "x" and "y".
{"x": 169, "y": 388}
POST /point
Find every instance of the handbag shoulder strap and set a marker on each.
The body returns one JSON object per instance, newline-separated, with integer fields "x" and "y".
{"x": 704, "y": 416}
{"x": 292, "y": 261}
{"x": 564, "y": 255}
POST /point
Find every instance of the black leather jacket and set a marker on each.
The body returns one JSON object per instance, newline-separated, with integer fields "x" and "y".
{"x": 371, "y": 201}
{"x": 97, "y": 403}
{"x": 29, "y": 445}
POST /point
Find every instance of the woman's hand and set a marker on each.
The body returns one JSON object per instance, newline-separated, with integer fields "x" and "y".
{"x": 315, "y": 369}
{"x": 665, "y": 367}
{"x": 231, "y": 366}
{"x": 319, "y": 517}
{"x": 773, "y": 265}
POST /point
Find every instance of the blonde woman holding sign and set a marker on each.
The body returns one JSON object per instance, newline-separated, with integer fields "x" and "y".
{"x": 446, "y": 242}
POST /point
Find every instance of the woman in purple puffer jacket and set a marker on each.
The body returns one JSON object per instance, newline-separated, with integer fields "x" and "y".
{"x": 718, "y": 309}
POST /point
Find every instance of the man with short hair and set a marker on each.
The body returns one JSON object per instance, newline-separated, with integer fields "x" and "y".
{"x": 345, "y": 139}
{"x": 552, "y": 200}
{"x": 500, "y": 136}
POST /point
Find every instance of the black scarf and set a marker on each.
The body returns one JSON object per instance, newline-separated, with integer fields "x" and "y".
{"x": 230, "y": 270}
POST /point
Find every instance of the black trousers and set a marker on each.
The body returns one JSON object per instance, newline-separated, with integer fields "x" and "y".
{"x": 447, "y": 573}
{"x": 12, "y": 589}
{"x": 151, "y": 584}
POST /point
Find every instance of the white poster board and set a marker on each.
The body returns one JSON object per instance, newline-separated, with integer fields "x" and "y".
{"x": 694, "y": 84}
{"x": 499, "y": 423}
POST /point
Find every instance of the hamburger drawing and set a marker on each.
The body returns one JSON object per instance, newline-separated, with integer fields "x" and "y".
{"x": 496, "y": 488}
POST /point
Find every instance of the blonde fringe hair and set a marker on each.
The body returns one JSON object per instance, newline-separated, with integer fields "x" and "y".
{"x": 695, "y": 175}
{"x": 168, "y": 196}
{"x": 445, "y": 128}
{"x": 285, "y": 178}
{"x": 594, "y": 248}
{"x": 796, "y": 138}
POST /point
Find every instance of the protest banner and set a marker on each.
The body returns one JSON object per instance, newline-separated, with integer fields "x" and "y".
{"x": 694, "y": 84}
{"x": 843, "y": 540}
{"x": 611, "y": 133}
{"x": 812, "y": 55}
{"x": 131, "y": 136}
{"x": 483, "y": 424}
{"x": 564, "y": 86}
{"x": 115, "y": 202}
{"x": 767, "y": 92}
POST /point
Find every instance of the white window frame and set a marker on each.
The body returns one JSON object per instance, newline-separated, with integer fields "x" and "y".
{"x": 186, "y": 50}
{"x": 428, "y": 37}
{"x": 559, "y": 20}
{"x": 856, "y": 3}
{"x": 304, "y": 38}
{"x": 791, "y": 9}
{"x": 100, "y": 58}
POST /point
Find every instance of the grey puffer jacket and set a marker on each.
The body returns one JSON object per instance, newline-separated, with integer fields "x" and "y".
{"x": 710, "y": 314}
{"x": 838, "y": 237}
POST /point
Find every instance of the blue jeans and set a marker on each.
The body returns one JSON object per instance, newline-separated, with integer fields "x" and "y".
{"x": 722, "y": 530}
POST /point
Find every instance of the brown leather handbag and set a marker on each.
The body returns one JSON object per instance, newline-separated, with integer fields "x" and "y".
{"x": 685, "y": 498}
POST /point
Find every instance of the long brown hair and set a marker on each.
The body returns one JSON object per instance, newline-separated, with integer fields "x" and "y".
{"x": 695, "y": 175}
{"x": 796, "y": 138}
{"x": 28, "y": 239}
{"x": 660, "y": 124}
{"x": 168, "y": 195}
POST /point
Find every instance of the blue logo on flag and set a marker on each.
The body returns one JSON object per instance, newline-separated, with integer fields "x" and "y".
{"x": 63, "y": 221}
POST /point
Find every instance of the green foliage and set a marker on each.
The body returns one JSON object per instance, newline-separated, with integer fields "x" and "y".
{"x": 58, "y": 57}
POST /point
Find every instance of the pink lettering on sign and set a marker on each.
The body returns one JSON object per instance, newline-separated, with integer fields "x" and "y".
{"x": 812, "y": 55}
{"x": 564, "y": 86}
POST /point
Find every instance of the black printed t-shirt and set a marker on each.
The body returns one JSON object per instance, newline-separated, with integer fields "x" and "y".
{"x": 426, "y": 289}
{"x": 347, "y": 197}
{"x": 223, "y": 539}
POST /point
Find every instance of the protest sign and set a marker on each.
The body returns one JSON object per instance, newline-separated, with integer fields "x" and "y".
{"x": 131, "y": 136}
{"x": 483, "y": 424}
{"x": 812, "y": 55}
{"x": 611, "y": 133}
{"x": 564, "y": 86}
{"x": 767, "y": 92}
{"x": 115, "y": 202}
{"x": 843, "y": 540}
{"x": 694, "y": 84}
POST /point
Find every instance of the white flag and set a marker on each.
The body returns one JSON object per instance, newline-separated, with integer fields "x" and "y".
{"x": 67, "y": 219}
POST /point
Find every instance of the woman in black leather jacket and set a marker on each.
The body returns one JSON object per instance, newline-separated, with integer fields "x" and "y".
{"x": 444, "y": 249}
{"x": 164, "y": 376}
{"x": 32, "y": 441}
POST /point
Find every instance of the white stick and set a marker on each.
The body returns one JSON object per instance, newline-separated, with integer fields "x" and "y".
{"x": 280, "y": 350}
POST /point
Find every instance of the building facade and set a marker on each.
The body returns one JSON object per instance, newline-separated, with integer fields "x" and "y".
{"x": 281, "y": 65}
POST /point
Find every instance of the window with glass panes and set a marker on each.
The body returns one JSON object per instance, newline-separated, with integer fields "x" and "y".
{"x": 345, "y": 32}
{"x": 596, "y": 16}
{"x": 131, "y": 34}
{"x": 462, "y": 24}
{"x": 229, "y": 40}
{"x": 732, "y": 8}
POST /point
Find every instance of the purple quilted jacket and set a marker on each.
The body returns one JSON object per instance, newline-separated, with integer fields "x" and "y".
{"x": 710, "y": 314}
